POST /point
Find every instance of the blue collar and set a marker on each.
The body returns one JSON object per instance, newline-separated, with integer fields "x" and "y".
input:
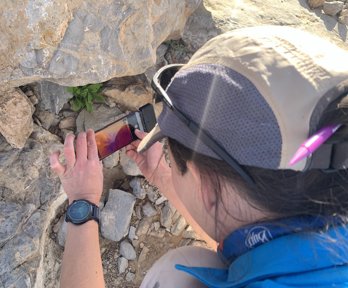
{"x": 301, "y": 259}
{"x": 254, "y": 235}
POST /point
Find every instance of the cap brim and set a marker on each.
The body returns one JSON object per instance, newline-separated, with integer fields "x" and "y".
{"x": 154, "y": 135}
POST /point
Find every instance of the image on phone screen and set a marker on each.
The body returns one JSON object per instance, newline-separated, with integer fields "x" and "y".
{"x": 114, "y": 137}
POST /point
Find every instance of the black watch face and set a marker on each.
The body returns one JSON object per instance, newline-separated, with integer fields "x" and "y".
{"x": 79, "y": 211}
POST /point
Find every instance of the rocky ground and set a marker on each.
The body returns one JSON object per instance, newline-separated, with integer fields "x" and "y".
{"x": 32, "y": 229}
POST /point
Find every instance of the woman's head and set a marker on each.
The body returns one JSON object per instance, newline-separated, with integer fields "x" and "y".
{"x": 259, "y": 93}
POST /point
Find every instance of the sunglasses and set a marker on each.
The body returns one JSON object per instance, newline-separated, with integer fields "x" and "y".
{"x": 159, "y": 84}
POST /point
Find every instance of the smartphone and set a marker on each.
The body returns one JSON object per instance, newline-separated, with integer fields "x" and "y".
{"x": 120, "y": 133}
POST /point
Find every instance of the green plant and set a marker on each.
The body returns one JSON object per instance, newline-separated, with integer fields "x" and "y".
{"x": 85, "y": 96}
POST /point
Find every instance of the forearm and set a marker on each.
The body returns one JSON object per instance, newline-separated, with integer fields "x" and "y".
{"x": 82, "y": 266}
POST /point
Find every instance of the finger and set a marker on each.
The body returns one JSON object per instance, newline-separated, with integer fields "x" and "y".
{"x": 92, "y": 150}
{"x": 140, "y": 134}
{"x": 56, "y": 166}
{"x": 69, "y": 151}
{"x": 81, "y": 146}
{"x": 133, "y": 145}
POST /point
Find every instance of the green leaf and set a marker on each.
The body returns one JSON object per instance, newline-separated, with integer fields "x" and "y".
{"x": 84, "y": 93}
{"x": 89, "y": 97}
{"x": 94, "y": 88}
{"x": 99, "y": 98}
{"x": 70, "y": 89}
{"x": 89, "y": 107}
{"x": 75, "y": 105}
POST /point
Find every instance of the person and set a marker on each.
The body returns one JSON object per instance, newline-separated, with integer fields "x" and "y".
{"x": 232, "y": 119}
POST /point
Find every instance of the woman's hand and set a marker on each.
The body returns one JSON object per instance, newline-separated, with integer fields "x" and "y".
{"x": 82, "y": 176}
{"x": 151, "y": 163}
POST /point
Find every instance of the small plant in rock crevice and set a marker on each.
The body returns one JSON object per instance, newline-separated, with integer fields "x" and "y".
{"x": 85, "y": 96}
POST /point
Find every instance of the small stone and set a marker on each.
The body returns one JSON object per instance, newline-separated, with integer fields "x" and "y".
{"x": 189, "y": 233}
{"x": 33, "y": 99}
{"x": 158, "y": 234}
{"x": 141, "y": 245}
{"x": 152, "y": 194}
{"x": 131, "y": 234}
{"x": 122, "y": 264}
{"x": 332, "y": 8}
{"x": 62, "y": 233}
{"x": 148, "y": 210}
{"x": 116, "y": 215}
{"x": 67, "y": 123}
{"x": 130, "y": 277}
{"x": 179, "y": 226}
{"x": 315, "y": 3}
{"x": 156, "y": 226}
{"x": 47, "y": 119}
{"x": 112, "y": 160}
{"x": 166, "y": 217}
{"x": 136, "y": 185}
{"x": 138, "y": 212}
{"x": 143, "y": 227}
{"x": 129, "y": 167}
{"x": 343, "y": 17}
{"x": 160, "y": 200}
{"x": 127, "y": 250}
{"x": 143, "y": 254}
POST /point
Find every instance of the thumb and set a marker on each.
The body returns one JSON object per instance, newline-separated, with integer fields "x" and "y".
{"x": 56, "y": 166}
{"x": 140, "y": 134}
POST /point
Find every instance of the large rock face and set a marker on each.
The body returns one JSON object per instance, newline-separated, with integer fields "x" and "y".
{"x": 78, "y": 42}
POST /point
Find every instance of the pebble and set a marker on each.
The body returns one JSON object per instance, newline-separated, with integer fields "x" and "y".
{"x": 129, "y": 167}
{"x": 143, "y": 227}
{"x": 315, "y": 3}
{"x": 158, "y": 234}
{"x": 67, "y": 123}
{"x": 343, "y": 18}
{"x": 189, "y": 233}
{"x": 143, "y": 254}
{"x": 149, "y": 210}
{"x": 112, "y": 160}
{"x": 332, "y": 8}
{"x": 152, "y": 194}
{"x": 179, "y": 226}
{"x": 130, "y": 277}
{"x": 136, "y": 185}
{"x": 138, "y": 212}
{"x": 166, "y": 217}
{"x": 122, "y": 264}
{"x": 160, "y": 200}
{"x": 131, "y": 234}
{"x": 127, "y": 250}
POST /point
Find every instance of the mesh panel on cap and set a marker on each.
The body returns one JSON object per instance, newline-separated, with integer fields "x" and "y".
{"x": 230, "y": 108}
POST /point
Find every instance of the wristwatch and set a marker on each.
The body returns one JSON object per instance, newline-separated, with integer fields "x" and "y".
{"x": 81, "y": 211}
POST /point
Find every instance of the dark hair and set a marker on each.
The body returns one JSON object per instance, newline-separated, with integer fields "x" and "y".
{"x": 282, "y": 192}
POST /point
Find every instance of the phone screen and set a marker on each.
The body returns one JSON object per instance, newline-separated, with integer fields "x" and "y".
{"x": 114, "y": 137}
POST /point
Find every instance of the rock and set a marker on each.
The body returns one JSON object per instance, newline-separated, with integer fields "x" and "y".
{"x": 52, "y": 96}
{"x": 130, "y": 277}
{"x": 46, "y": 118}
{"x": 61, "y": 236}
{"x": 315, "y": 3}
{"x": 12, "y": 217}
{"x": 179, "y": 226}
{"x": 18, "y": 278}
{"x": 136, "y": 185}
{"x": 122, "y": 264}
{"x": 116, "y": 215}
{"x": 189, "y": 233}
{"x": 160, "y": 200}
{"x": 158, "y": 234}
{"x": 99, "y": 118}
{"x": 127, "y": 250}
{"x": 332, "y": 8}
{"x": 112, "y": 160}
{"x": 71, "y": 44}
{"x": 131, "y": 98}
{"x": 132, "y": 233}
{"x": 148, "y": 210}
{"x": 67, "y": 123}
{"x": 166, "y": 217}
{"x": 152, "y": 193}
{"x": 143, "y": 254}
{"x": 143, "y": 227}
{"x": 343, "y": 17}
{"x": 129, "y": 167}
{"x": 16, "y": 122}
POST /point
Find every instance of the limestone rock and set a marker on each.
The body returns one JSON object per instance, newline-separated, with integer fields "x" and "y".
{"x": 46, "y": 118}
{"x": 129, "y": 167}
{"x": 100, "y": 117}
{"x": 18, "y": 278}
{"x": 72, "y": 44}
{"x": 67, "y": 123}
{"x": 138, "y": 190}
{"x": 122, "y": 264}
{"x": 179, "y": 226}
{"x": 343, "y": 17}
{"x": 166, "y": 216}
{"x": 16, "y": 122}
{"x": 333, "y": 7}
{"x": 131, "y": 98}
{"x": 127, "y": 250}
{"x": 315, "y": 3}
{"x": 116, "y": 215}
{"x": 52, "y": 96}
{"x": 143, "y": 227}
{"x": 149, "y": 210}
